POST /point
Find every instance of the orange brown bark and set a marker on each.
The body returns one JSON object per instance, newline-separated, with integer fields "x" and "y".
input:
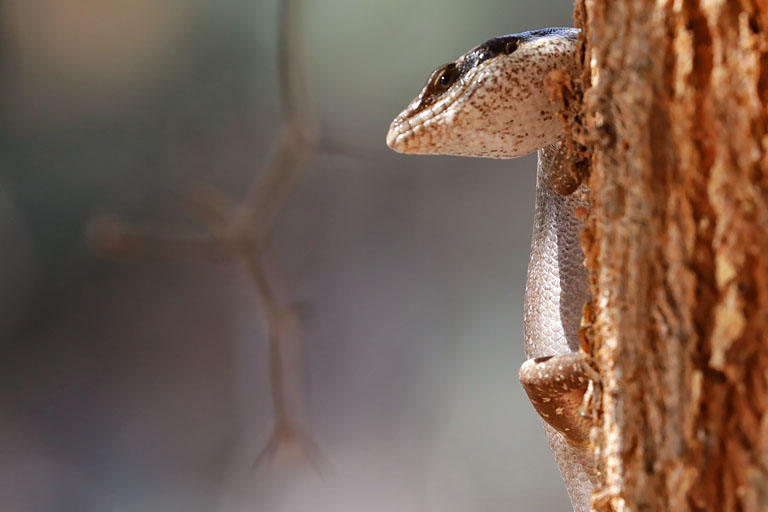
{"x": 675, "y": 111}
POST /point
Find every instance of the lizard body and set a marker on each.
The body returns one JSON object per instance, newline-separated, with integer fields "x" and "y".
{"x": 492, "y": 102}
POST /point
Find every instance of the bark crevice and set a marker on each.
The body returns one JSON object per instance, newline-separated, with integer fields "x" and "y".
{"x": 676, "y": 240}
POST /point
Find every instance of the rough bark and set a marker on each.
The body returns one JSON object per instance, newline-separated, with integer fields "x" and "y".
{"x": 675, "y": 112}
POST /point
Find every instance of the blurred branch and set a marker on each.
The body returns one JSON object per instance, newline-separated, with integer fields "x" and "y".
{"x": 242, "y": 231}
{"x": 116, "y": 239}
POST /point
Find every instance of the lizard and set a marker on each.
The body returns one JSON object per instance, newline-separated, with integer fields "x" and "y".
{"x": 492, "y": 102}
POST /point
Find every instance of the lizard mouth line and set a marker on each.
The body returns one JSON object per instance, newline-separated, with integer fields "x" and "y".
{"x": 410, "y": 133}
{"x": 414, "y": 130}
{"x": 500, "y": 107}
{"x": 406, "y": 131}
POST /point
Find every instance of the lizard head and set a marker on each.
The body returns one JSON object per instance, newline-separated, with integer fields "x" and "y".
{"x": 491, "y": 101}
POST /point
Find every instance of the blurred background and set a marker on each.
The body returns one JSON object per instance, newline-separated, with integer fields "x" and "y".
{"x": 130, "y": 383}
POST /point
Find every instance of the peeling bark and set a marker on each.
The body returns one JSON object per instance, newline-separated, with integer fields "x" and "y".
{"x": 675, "y": 110}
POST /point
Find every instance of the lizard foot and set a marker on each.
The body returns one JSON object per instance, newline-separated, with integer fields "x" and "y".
{"x": 556, "y": 385}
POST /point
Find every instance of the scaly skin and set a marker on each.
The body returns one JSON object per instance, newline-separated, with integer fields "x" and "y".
{"x": 492, "y": 102}
{"x": 556, "y": 290}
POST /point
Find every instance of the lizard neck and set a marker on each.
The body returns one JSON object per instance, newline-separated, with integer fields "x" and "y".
{"x": 555, "y": 292}
{"x": 557, "y": 284}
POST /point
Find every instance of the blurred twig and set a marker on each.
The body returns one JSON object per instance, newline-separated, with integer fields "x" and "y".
{"x": 243, "y": 231}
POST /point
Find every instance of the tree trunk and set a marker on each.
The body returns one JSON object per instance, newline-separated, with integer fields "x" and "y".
{"x": 675, "y": 113}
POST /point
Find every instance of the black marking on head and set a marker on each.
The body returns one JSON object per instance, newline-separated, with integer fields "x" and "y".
{"x": 503, "y": 45}
{"x": 446, "y": 76}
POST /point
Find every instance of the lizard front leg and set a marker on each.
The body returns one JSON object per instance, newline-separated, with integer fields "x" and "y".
{"x": 555, "y": 377}
{"x": 556, "y": 386}
{"x": 493, "y": 102}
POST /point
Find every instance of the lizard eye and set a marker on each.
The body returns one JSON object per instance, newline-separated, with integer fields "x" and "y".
{"x": 511, "y": 46}
{"x": 439, "y": 81}
{"x": 446, "y": 77}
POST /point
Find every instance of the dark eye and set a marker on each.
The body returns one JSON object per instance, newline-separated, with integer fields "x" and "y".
{"x": 438, "y": 82}
{"x": 446, "y": 77}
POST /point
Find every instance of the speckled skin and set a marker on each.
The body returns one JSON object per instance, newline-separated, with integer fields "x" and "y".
{"x": 497, "y": 109}
{"x": 494, "y": 104}
{"x": 556, "y": 289}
